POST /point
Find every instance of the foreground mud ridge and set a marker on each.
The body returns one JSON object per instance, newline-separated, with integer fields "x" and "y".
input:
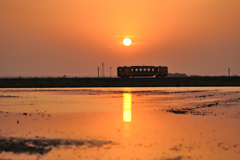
{"x": 42, "y": 145}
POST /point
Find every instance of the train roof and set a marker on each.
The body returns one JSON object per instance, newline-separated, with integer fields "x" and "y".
{"x": 141, "y": 66}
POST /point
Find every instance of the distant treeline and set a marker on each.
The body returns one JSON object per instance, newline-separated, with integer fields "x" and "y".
{"x": 185, "y": 75}
{"x": 177, "y": 75}
{"x": 118, "y": 82}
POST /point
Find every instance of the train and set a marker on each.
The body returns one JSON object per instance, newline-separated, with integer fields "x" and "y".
{"x": 142, "y": 71}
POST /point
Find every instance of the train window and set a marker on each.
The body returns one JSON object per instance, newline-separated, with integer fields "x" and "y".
{"x": 152, "y": 69}
{"x": 131, "y": 69}
{"x": 119, "y": 69}
{"x": 136, "y": 69}
{"x": 148, "y": 69}
{"x": 140, "y": 69}
{"x": 126, "y": 70}
{"x": 158, "y": 69}
{"x": 144, "y": 69}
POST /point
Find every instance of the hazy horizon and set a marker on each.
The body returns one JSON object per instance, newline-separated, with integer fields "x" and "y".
{"x": 73, "y": 38}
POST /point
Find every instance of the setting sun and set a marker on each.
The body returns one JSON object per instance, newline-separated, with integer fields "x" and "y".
{"x": 127, "y": 41}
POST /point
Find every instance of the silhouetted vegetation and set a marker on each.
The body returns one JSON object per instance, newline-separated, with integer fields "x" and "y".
{"x": 177, "y": 75}
{"x": 118, "y": 82}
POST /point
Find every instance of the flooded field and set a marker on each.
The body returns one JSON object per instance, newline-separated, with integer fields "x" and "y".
{"x": 186, "y": 123}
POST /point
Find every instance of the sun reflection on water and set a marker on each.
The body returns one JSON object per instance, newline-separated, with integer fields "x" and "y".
{"x": 127, "y": 107}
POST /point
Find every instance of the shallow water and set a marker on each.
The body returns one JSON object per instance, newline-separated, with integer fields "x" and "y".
{"x": 121, "y": 123}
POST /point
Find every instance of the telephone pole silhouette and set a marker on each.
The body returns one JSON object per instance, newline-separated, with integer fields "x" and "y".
{"x": 98, "y": 71}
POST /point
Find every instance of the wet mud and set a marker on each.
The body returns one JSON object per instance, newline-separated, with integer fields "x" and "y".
{"x": 198, "y": 109}
{"x": 120, "y": 123}
{"x": 192, "y": 110}
{"x": 8, "y": 96}
{"x": 42, "y": 145}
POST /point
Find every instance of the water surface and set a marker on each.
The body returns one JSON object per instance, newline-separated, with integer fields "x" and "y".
{"x": 123, "y": 123}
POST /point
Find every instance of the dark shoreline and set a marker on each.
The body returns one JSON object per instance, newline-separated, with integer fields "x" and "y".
{"x": 119, "y": 82}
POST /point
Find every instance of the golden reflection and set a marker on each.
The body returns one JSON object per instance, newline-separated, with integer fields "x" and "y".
{"x": 127, "y": 107}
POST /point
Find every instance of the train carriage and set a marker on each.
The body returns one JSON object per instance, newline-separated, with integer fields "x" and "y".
{"x": 142, "y": 71}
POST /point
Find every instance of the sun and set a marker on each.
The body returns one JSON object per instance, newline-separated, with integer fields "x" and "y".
{"x": 127, "y": 41}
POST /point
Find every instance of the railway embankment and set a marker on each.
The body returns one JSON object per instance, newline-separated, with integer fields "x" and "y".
{"x": 118, "y": 82}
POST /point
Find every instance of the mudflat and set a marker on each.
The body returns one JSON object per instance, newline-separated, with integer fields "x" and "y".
{"x": 167, "y": 123}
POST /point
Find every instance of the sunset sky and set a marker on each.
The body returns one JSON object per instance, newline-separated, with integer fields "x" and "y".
{"x": 73, "y": 37}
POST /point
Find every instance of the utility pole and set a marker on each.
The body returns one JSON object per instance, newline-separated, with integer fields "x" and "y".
{"x": 228, "y": 72}
{"x": 110, "y": 72}
{"x": 98, "y": 71}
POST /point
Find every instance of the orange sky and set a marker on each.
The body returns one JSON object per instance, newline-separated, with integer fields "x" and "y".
{"x": 73, "y": 38}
